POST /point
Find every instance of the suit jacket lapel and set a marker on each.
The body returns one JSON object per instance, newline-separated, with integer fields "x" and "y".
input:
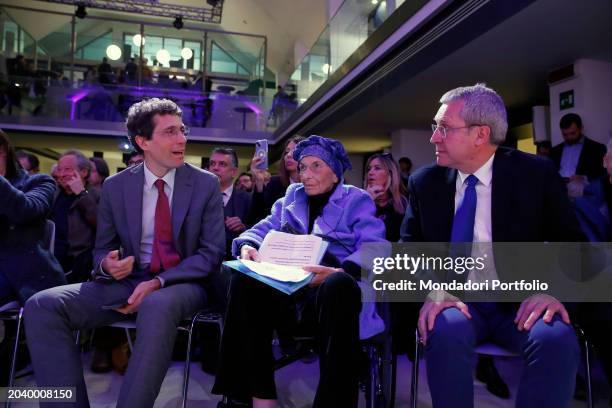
{"x": 181, "y": 198}
{"x": 132, "y": 192}
{"x": 501, "y": 194}
{"x": 446, "y": 199}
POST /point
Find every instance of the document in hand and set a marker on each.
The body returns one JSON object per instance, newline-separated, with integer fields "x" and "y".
{"x": 283, "y": 256}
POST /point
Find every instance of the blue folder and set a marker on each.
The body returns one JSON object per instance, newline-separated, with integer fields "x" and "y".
{"x": 285, "y": 287}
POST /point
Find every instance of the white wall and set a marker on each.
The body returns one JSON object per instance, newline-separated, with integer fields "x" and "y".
{"x": 413, "y": 144}
{"x": 592, "y": 85}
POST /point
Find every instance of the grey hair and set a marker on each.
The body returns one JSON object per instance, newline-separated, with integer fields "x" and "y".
{"x": 483, "y": 106}
{"x": 83, "y": 162}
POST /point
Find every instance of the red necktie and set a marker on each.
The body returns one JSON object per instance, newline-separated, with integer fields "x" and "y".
{"x": 164, "y": 255}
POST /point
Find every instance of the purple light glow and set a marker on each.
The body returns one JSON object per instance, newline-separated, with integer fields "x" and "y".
{"x": 74, "y": 99}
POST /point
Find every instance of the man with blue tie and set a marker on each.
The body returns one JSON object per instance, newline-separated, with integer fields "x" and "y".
{"x": 160, "y": 239}
{"x": 481, "y": 192}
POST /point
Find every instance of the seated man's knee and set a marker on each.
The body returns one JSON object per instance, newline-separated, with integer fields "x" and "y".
{"x": 160, "y": 305}
{"x": 557, "y": 338}
{"x": 452, "y": 328}
{"x": 46, "y": 300}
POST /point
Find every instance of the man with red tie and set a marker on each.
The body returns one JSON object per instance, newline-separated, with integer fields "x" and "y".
{"x": 160, "y": 238}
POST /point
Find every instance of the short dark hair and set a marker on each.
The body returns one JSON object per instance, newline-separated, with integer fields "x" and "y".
{"x": 244, "y": 173}
{"x": 139, "y": 120}
{"x": 229, "y": 151}
{"x": 569, "y": 118}
{"x": 12, "y": 165}
{"x": 405, "y": 160}
{"x": 32, "y": 159}
{"x": 101, "y": 166}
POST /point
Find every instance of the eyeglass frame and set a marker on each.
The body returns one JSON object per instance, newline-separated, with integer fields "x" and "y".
{"x": 184, "y": 130}
{"x": 443, "y": 133}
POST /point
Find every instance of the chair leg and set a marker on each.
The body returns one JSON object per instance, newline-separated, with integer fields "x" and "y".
{"x": 129, "y": 340}
{"x": 415, "y": 372}
{"x": 15, "y": 349}
{"x": 373, "y": 377}
{"x": 188, "y": 361}
{"x": 587, "y": 357}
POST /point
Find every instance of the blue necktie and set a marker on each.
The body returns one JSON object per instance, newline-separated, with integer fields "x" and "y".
{"x": 463, "y": 223}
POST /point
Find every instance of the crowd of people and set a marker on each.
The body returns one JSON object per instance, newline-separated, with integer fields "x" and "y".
{"x": 149, "y": 242}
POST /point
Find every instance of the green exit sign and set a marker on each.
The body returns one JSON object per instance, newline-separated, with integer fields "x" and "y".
{"x": 566, "y": 99}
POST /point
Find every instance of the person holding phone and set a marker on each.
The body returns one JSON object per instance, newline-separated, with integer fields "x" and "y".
{"x": 265, "y": 194}
{"x": 26, "y": 264}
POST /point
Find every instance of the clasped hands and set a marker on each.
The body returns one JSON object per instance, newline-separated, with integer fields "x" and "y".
{"x": 529, "y": 312}
{"x": 249, "y": 253}
{"x": 120, "y": 269}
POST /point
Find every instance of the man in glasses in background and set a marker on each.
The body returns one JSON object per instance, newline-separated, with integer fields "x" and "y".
{"x": 160, "y": 237}
{"x": 481, "y": 192}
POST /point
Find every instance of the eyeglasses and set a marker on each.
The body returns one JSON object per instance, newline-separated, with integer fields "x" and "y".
{"x": 176, "y": 131}
{"x": 444, "y": 129}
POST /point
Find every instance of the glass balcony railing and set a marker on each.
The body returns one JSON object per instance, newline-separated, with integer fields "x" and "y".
{"x": 346, "y": 31}
{"x": 29, "y": 98}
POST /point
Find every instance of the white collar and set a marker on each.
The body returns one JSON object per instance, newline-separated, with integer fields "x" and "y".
{"x": 228, "y": 191}
{"x": 151, "y": 178}
{"x": 484, "y": 174}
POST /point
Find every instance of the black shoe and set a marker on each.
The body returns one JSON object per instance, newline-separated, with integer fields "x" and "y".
{"x": 101, "y": 361}
{"x": 234, "y": 403}
{"x": 580, "y": 393}
{"x": 487, "y": 373}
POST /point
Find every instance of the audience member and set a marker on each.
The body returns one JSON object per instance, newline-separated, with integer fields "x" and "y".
{"x": 105, "y": 72}
{"x": 54, "y": 173}
{"x": 244, "y": 182}
{"x": 74, "y": 213}
{"x": 134, "y": 159}
{"x": 131, "y": 70}
{"x": 26, "y": 266}
{"x": 405, "y": 165}
{"x": 470, "y": 125}
{"x": 265, "y": 194}
{"x": 29, "y": 162}
{"x": 543, "y": 148}
{"x": 578, "y": 158}
{"x": 323, "y": 203}
{"x": 148, "y": 259}
{"x": 99, "y": 172}
{"x": 236, "y": 203}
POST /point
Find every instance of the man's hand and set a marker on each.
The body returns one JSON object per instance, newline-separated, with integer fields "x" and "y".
{"x": 321, "y": 273}
{"x": 142, "y": 290}
{"x": 234, "y": 224}
{"x": 435, "y": 303}
{"x": 532, "y": 308}
{"x": 249, "y": 253}
{"x": 75, "y": 184}
{"x": 117, "y": 268}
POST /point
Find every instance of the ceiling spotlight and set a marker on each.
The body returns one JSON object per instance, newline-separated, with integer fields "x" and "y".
{"x": 186, "y": 53}
{"x": 213, "y": 3}
{"x": 178, "y": 22}
{"x": 80, "y": 11}
{"x": 137, "y": 39}
{"x": 113, "y": 52}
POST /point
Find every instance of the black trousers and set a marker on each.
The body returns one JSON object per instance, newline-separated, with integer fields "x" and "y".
{"x": 254, "y": 310}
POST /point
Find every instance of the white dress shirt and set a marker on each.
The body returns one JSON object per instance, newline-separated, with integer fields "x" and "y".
{"x": 482, "y": 221}
{"x": 227, "y": 194}
{"x": 149, "y": 202}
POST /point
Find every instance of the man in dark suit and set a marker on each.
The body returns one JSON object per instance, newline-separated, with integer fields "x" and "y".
{"x": 159, "y": 239}
{"x": 578, "y": 157}
{"x": 236, "y": 203}
{"x": 480, "y": 192}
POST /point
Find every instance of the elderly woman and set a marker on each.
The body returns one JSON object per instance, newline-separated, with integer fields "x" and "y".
{"x": 341, "y": 214}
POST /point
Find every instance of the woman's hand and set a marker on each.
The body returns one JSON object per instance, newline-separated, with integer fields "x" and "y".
{"x": 259, "y": 175}
{"x": 376, "y": 192}
{"x": 249, "y": 253}
{"x": 321, "y": 273}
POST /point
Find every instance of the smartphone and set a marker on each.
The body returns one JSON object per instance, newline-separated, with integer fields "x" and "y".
{"x": 113, "y": 307}
{"x": 261, "y": 150}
